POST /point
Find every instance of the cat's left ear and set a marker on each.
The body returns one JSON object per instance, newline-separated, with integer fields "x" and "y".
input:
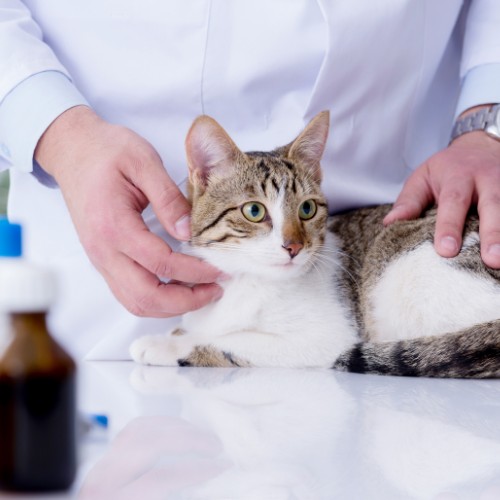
{"x": 309, "y": 146}
{"x": 210, "y": 151}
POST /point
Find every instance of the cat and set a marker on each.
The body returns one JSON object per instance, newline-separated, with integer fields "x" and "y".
{"x": 306, "y": 289}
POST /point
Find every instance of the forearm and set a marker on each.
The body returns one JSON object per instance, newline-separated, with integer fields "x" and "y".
{"x": 67, "y": 129}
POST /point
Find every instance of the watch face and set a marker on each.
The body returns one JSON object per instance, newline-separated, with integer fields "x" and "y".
{"x": 493, "y": 128}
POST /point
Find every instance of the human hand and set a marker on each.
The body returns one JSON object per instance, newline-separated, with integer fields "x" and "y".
{"x": 465, "y": 173}
{"x": 108, "y": 175}
{"x": 155, "y": 457}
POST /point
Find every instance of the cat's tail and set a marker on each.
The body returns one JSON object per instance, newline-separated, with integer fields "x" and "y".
{"x": 470, "y": 353}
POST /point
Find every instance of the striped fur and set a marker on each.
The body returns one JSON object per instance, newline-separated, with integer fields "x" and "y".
{"x": 470, "y": 353}
{"x": 341, "y": 292}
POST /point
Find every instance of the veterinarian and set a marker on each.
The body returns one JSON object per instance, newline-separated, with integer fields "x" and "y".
{"x": 96, "y": 99}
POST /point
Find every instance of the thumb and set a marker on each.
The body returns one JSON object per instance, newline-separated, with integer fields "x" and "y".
{"x": 168, "y": 202}
{"x": 414, "y": 198}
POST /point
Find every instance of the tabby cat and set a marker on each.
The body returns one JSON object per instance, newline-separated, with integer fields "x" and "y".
{"x": 309, "y": 290}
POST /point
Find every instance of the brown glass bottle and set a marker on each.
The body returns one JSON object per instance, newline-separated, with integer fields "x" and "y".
{"x": 37, "y": 409}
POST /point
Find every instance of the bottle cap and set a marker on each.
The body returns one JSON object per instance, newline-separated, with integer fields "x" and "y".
{"x": 10, "y": 239}
{"x": 25, "y": 287}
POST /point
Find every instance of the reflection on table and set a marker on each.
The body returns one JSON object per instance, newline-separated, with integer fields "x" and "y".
{"x": 195, "y": 433}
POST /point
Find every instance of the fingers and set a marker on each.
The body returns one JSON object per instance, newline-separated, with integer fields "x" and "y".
{"x": 152, "y": 253}
{"x": 169, "y": 204}
{"x": 135, "y": 263}
{"x": 453, "y": 205}
{"x": 143, "y": 474}
{"x": 143, "y": 294}
{"x": 164, "y": 480}
{"x": 414, "y": 198}
{"x": 489, "y": 224}
{"x": 108, "y": 175}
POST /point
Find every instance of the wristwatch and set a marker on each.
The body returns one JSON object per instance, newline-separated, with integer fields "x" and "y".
{"x": 486, "y": 119}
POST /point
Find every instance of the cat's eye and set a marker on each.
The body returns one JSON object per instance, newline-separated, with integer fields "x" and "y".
{"x": 307, "y": 209}
{"x": 254, "y": 211}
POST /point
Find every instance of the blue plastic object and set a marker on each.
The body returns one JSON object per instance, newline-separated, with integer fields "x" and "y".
{"x": 10, "y": 239}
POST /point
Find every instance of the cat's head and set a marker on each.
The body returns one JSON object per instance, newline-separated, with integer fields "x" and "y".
{"x": 261, "y": 212}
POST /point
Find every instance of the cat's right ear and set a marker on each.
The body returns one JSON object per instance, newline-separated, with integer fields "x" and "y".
{"x": 210, "y": 152}
{"x": 309, "y": 146}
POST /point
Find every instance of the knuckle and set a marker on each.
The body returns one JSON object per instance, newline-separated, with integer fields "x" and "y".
{"x": 455, "y": 196}
{"x": 492, "y": 173}
{"x": 163, "y": 267}
{"x": 449, "y": 227}
{"x": 490, "y": 237}
{"x": 141, "y": 162}
{"x": 169, "y": 196}
{"x": 136, "y": 311}
{"x": 134, "y": 154}
{"x": 134, "y": 305}
{"x": 141, "y": 306}
{"x": 488, "y": 201}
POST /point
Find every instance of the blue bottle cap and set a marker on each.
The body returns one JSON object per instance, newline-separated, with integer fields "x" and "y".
{"x": 10, "y": 239}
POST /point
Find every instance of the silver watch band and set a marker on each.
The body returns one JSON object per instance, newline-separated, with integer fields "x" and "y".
{"x": 479, "y": 120}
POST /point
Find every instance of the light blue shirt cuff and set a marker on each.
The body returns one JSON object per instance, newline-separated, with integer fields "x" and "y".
{"x": 481, "y": 85}
{"x": 27, "y": 111}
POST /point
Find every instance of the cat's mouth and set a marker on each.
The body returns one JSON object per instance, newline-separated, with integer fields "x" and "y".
{"x": 290, "y": 264}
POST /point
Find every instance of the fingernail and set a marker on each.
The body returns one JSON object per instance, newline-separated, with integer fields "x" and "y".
{"x": 449, "y": 244}
{"x": 392, "y": 216}
{"x": 218, "y": 295}
{"x": 183, "y": 228}
{"x": 388, "y": 219}
{"x": 223, "y": 277}
{"x": 494, "y": 249}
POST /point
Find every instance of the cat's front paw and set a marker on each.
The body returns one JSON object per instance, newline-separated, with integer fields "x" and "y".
{"x": 156, "y": 350}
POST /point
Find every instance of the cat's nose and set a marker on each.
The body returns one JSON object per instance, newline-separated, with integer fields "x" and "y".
{"x": 293, "y": 248}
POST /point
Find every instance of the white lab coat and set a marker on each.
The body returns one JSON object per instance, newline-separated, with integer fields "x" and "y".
{"x": 388, "y": 71}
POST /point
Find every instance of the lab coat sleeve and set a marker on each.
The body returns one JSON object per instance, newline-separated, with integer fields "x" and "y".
{"x": 34, "y": 88}
{"x": 481, "y": 85}
{"x": 480, "y": 65}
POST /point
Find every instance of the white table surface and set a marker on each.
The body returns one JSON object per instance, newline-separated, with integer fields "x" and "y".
{"x": 258, "y": 434}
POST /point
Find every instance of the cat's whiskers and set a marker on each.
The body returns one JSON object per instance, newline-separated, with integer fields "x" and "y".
{"x": 329, "y": 256}
{"x": 338, "y": 251}
{"x": 314, "y": 264}
{"x": 276, "y": 256}
{"x": 242, "y": 249}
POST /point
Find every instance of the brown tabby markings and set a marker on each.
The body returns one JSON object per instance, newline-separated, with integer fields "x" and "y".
{"x": 472, "y": 352}
{"x": 259, "y": 177}
{"x": 209, "y": 356}
{"x": 230, "y": 178}
{"x": 374, "y": 247}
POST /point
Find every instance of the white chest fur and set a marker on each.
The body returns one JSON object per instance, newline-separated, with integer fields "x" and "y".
{"x": 300, "y": 322}
{"x": 422, "y": 294}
